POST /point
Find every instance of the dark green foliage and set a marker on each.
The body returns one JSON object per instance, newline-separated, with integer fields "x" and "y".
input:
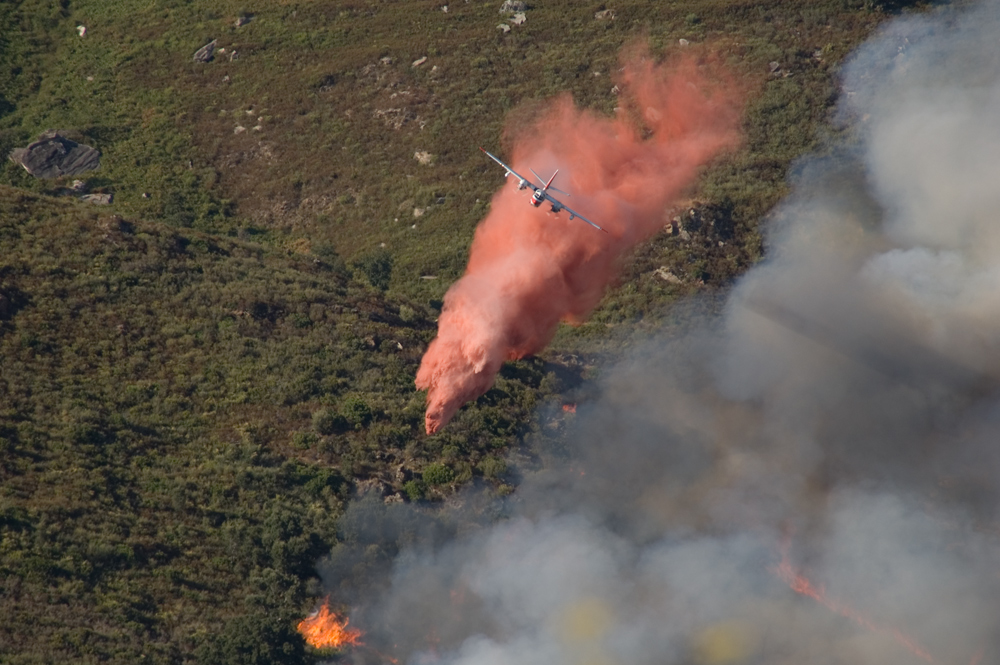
{"x": 438, "y": 474}
{"x": 356, "y": 412}
{"x": 415, "y": 489}
{"x": 303, "y": 440}
{"x": 493, "y": 467}
{"x": 327, "y": 422}
{"x": 257, "y": 638}
{"x": 377, "y": 267}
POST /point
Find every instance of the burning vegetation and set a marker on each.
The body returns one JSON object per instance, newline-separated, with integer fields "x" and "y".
{"x": 325, "y": 629}
{"x": 801, "y": 584}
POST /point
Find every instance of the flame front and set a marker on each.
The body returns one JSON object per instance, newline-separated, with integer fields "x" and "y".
{"x": 325, "y": 630}
{"x": 801, "y": 584}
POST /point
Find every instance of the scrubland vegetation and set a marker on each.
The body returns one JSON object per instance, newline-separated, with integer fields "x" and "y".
{"x": 195, "y": 379}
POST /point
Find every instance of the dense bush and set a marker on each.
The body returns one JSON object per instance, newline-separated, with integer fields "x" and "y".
{"x": 438, "y": 474}
{"x": 377, "y": 267}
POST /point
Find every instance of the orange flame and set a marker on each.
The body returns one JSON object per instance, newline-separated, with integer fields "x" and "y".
{"x": 801, "y": 584}
{"x": 323, "y": 629}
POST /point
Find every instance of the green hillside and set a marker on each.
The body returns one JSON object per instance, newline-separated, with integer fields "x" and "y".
{"x": 196, "y": 378}
{"x": 183, "y": 418}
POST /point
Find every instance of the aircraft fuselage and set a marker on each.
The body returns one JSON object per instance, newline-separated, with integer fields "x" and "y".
{"x": 540, "y": 194}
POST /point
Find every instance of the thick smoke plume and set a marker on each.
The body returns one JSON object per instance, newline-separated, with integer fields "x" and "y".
{"x": 530, "y": 269}
{"x": 812, "y": 477}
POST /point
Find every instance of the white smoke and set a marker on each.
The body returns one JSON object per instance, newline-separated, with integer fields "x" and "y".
{"x": 846, "y": 406}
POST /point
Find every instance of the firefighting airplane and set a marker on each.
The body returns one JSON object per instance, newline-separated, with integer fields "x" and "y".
{"x": 542, "y": 193}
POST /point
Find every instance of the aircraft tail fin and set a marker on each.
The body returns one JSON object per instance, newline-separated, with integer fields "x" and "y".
{"x": 547, "y": 186}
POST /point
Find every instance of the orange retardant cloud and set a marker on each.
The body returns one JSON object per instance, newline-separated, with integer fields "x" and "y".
{"x": 529, "y": 268}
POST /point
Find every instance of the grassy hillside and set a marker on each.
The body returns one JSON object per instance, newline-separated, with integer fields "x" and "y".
{"x": 195, "y": 379}
{"x": 308, "y": 136}
{"x": 184, "y": 416}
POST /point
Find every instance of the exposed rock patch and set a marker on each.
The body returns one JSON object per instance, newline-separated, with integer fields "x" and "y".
{"x": 206, "y": 53}
{"x": 512, "y": 6}
{"x": 54, "y": 155}
{"x": 667, "y": 276}
{"x": 99, "y": 199}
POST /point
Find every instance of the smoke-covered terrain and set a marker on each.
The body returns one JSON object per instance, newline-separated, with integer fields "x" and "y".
{"x": 809, "y": 478}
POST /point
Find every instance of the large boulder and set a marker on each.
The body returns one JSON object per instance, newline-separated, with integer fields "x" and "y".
{"x": 54, "y": 155}
{"x": 207, "y": 52}
{"x": 513, "y": 6}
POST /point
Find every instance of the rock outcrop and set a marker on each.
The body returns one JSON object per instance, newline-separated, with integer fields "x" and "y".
{"x": 206, "y": 53}
{"x": 54, "y": 155}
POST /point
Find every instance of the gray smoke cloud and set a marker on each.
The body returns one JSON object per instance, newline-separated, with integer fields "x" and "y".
{"x": 837, "y": 423}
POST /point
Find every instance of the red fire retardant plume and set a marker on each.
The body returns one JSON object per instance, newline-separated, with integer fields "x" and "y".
{"x": 529, "y": 268}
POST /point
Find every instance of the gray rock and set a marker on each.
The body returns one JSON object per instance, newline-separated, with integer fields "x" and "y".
{"x": 667, "y": 276}
{"x": 99, "y": 199}
{"x": 513, "y": 6}
{"x": 605, "y": 14}
{"x": 54, "y": 155}
{"x": 518, "y": 18}
{"x": 206, "y": 53}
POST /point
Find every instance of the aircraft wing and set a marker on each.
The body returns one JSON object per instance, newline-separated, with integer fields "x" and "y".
{"x": 572, "y": 213}
{"x": 509, "y": 170}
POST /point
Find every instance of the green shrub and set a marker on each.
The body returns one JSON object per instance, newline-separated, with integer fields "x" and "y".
{"x": 493, "y": 467}
{"x": 326, "y": 422}
{"x": 438, "y": 474}
{"x": 407, "y": 314}
{"x": 303, "y": 440}
{"x": 377, "y": 267}
{"x": 415, "y": 489}
{"x": 356, "y": 412}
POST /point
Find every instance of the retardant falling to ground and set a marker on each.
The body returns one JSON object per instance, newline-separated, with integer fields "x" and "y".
{"x": 529, "y": 268}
